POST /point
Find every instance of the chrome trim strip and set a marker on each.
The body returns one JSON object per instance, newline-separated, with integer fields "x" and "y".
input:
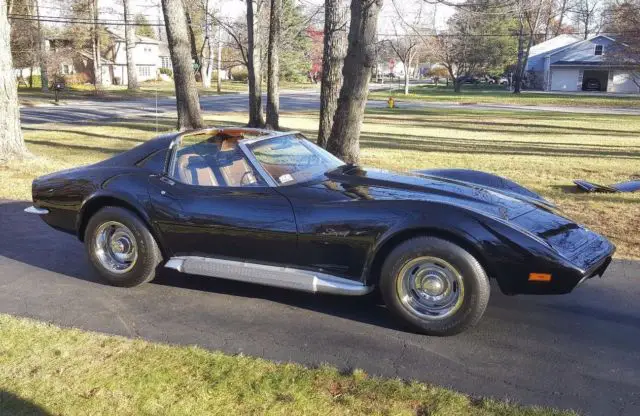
{"x": 36, "y": 210}
{"x": 273, "y": 135}
{"x": 175, "y": 264}
{"x": 277, "y": 276}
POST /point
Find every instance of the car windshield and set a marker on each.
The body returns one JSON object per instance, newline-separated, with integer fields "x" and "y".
{"x": 293, "y": 159}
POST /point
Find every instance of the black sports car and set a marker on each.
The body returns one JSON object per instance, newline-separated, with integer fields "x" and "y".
{"x": 274, "y": 209}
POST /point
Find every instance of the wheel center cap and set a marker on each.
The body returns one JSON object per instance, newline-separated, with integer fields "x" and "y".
{"x": 432, "y": 285}
{"x": 119, "y": 246}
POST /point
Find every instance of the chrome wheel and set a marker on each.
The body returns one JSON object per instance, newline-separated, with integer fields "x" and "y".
{"x": 430, "y": 288}
{"x": 115, "y": 247}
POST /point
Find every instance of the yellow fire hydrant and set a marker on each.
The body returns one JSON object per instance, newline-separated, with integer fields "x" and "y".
{"x": 391, "y": 102}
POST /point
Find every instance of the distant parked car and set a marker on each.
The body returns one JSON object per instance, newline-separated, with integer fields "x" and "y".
{"x": 469, "y": 80}
{"x": 591, "y": 84}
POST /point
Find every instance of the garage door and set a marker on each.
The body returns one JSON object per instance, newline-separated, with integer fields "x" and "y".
{"x": 623, "y": 82}
{"x": 563, "y": 79}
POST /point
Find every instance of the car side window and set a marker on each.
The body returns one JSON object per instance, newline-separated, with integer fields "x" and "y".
{"x": 215, "y": 161}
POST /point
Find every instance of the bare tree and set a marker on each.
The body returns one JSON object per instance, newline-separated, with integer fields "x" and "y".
{"x": 344, "y": 141}
{"x": 531, "y": 15}
{"x": 206, "y": 70}
{"x": 623, "y": 19}
{"x": 187, "y": 102}
{"x": 42, "y": 51}
{"x": 335, "y": 42}
{"x": 273, "y": 65}
{"x": 95, "y": 45}
{"x": 459, "y": 56}
{"x": 254, "y": 40}
{"x": 11, "y": 140}
{"x": 406, "y": 40}
{"x": 562, "y": 8}
{"x": 463, "y": 50}
{"x": 130, "y": 44}
{"x": 587, "y": 15}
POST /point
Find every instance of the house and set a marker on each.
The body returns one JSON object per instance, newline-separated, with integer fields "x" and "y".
{"x": 150, "y": 55}
{"x": 76, "y": 65}
{"x": 568, "y": 63}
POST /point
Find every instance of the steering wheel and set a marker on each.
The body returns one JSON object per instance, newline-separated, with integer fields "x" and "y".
{"x": 245, "y": 175}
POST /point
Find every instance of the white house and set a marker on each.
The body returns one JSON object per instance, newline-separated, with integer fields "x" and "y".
{"x": 568, "y": 63}
{"x": 149, "y": 55}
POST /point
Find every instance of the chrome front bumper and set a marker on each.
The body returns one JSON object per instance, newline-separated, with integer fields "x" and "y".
{"x": 36, "y": 210}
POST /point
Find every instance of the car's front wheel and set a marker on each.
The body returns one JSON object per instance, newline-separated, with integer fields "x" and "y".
{"x": 121, "y": 248}
{"x": 433, "y": 286}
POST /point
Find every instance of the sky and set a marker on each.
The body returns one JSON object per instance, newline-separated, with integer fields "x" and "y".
{"x": 112, "y": 9}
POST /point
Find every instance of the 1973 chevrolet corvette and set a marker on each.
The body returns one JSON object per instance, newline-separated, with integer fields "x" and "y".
{"x": 274, "y": 209}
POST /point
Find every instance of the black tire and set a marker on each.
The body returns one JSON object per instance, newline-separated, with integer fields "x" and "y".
{"x": 148, "y": 254}
{"x": 475, "y": 286}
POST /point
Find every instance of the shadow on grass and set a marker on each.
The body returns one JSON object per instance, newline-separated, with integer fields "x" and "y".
{"x": 104, "y": 150}
{"x": 12, "y": 404}
{"x": 82, "y": 133}
{"x": 498, "y": 127}
{"x": 432, "y": 144}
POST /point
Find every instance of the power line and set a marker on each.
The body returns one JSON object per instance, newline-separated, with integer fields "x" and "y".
{"x": 114, "y": 22}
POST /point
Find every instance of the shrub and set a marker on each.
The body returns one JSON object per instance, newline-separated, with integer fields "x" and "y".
{"x": 240, "y": 74}
{"x": 79, "y": 78}
{"x": 166, "y": 71}
{"x": 36, "y": 81}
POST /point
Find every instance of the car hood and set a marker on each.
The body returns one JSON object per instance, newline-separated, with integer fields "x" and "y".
{"x": 414, "y": 186}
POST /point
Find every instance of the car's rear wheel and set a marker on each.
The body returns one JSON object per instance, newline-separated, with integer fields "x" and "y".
{"x": 121, "y": 248}
{"x": 433, "y": 286}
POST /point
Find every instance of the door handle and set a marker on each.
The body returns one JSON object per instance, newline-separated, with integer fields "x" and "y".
{"x": 167, "y": 180}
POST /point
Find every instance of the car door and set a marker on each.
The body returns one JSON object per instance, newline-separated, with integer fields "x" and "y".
{"x": 205, "y": 206}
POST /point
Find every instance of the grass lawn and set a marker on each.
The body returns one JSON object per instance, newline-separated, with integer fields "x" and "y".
{"x": 543, "y": 151}
{"x": 487, "y": 94}
{"x": 65, "y": 371}
{"x": 148, "y": 89}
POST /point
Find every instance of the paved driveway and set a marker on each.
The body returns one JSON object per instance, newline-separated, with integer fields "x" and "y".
{"x": 579, "y": 351}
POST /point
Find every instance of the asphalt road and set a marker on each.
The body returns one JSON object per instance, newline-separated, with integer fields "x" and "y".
{"x": 96, "y": 110}
{"x": 579, "y": 351}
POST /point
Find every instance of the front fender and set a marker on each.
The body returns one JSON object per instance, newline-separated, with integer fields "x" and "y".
{"x": 506, "y": 253}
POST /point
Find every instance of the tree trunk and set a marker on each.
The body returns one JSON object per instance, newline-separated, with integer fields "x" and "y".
{"x": 407, "y": 64}
{"x": 273, "y": 66}
{"x": 345, "y": 134}
{"x": 219, "y": 71}
{"x": 130, "y": 44}
{"x": 563, "y": 11}
{"x": 457, "y": 85}
{"x": 11, "y": 141}
{"x": 335, "y": 42}
{"x": 256, "y": 117}
{"x": 187, "y": 103}
{"x": 192, "y": 41}
{"x": 42, "y": 53}
{"x": 206, "y": 69}
{"x": 95, "y": 46}
{"x": 517, "y": 79}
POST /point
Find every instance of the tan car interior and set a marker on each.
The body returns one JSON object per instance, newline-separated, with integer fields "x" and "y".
{"x": 200, "y": 164}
